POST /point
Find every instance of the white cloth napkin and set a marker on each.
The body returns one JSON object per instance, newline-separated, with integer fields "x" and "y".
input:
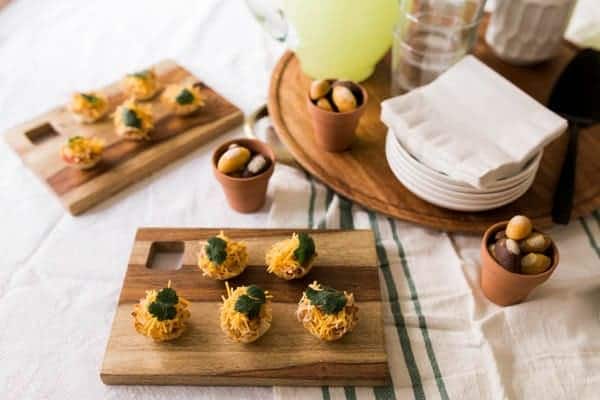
{"x": 471, "y": 124}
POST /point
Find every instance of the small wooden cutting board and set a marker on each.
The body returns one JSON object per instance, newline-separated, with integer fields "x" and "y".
{"x": 287, "y": 354}
{"x": 124, "y": 162}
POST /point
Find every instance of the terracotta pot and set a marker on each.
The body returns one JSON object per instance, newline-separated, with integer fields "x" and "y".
{"x": 501, "y": 286}
{"x": 334, "y": 131}
{"x": 245, "y": 195}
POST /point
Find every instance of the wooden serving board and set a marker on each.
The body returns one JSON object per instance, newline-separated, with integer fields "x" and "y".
{"x": 124, "y": 162}
{"x": 362, "y": 173}
{"x": 287, "y": 354}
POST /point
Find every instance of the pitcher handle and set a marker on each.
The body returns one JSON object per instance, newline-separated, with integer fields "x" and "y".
{"x": 271, "y": 18}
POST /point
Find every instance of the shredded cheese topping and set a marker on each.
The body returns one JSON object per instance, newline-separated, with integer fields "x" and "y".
{"x": 141, "y": 85}
{"x": 325, "y": 326}
{"x": 82, "y": 151}
{"x": 143, "y": 112}
{"x": 148, "y": 325}
{"x": 237, "y": 326}
{"x": 280, "y": 259}
{"x": 234, "y": 264}
{"x": 169, "y": 97}
{"x": 89, "y": 107}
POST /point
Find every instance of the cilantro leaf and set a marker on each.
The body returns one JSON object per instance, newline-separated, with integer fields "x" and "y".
{"x": 167, "y": 296}
{"x": 162, "y": 311}
{"x": 185, "y": 97}
{"x": 305, "y": 250}
{"x": 251, "y": 302}
{"x": 131, "y": 119}
{"x": 90, "y": 98}
{"x": 328, "y": 300}
{"x": 141, "y": 74}
{"x": 256, "y": 292}
{"x": 216, "y": 250}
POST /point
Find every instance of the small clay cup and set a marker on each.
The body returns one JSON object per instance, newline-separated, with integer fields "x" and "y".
{"x": 245, "y": 195}
{"x": 334, "y": 131}
{"x": 503, "y": 287}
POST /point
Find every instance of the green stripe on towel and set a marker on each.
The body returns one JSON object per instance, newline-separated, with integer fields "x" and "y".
{"x": 350, "y": 392}
{"x": 328, "y": 200}
{"x": 588, "y": 232}
{"x": 422, "y": 322}
{"x": 311, "y": 201}
{"x": 399, "y": 323}
{"x": 384, "y": 393}
{"x": 346, "y": 218}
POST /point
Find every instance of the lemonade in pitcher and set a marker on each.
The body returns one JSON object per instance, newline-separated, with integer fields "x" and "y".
{"x": 332, "y": 38}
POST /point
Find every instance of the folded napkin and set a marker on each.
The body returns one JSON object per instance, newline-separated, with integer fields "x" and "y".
{"x": 471, "y": 124}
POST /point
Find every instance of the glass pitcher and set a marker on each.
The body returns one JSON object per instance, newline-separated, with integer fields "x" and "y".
{"x": 341, "y": 39}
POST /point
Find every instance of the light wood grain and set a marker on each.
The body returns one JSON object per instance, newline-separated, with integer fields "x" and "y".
{"x": 362, "y": 173}
{"x": 287, "y": 354}
{"x": 124, "y": 162}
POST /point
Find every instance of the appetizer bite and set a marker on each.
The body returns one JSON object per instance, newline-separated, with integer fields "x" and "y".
{"x": 291, "y": 258}
{"x": 246, "y": 313}
{"x": 88, "y": 107}
{"x": 162, "y": 315}
{"x": 222, "y": 258}
{"x": 141, "y": 85}
{"x": 183, "y": 99}
{"x": 81, "y": 152}
{"x": 326, "y": 313}
{"x": 239, "y": 162}
{"x": 133, "y": 120}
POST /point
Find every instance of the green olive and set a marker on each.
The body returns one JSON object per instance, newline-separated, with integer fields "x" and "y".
{"x": 234, "y": 159}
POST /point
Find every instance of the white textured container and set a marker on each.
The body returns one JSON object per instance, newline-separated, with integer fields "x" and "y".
{"x": 528, "y": 31}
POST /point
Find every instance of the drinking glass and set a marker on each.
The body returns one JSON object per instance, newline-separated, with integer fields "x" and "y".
{"x": 431, "y": 35}
{"x": 333, "y": 38}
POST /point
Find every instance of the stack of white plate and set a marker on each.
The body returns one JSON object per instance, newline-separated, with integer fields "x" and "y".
{"x": 438, "y": 188}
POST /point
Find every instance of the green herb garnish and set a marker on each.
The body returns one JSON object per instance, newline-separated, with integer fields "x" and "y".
{"x": 328, "y": 300}
{"x": 131, "y": 119}
{"x": 185, "y": 97}
{"x": 90, "y": 98}
{"x": 167, "y": 296}
{"x": 216, "y": 250}
{"x": 251, "y": 302}
{"x": 305, "y": 250}
{"x": 141, "y": 74}
{"x": 164, "y": 306}
{"x": 256, "y": 292}
{"x": 162, "y": 311}
{"x": 74, "y": 139}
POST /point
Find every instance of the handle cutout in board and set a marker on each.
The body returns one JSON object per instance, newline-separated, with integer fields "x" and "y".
{"x": 41, "y": 133}
{"x": 166, "y": 256}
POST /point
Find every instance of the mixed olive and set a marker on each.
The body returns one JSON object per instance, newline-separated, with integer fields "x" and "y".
{"x": 239, "y": 162}
{"x": 520, "y": 249}
{"x": 335, "y": 95}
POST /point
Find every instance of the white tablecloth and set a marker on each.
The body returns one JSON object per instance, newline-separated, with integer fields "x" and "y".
{"x": 60, "y": 276}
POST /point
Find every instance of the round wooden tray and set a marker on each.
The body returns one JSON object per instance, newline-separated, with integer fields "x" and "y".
{"x": 362, "y": 173}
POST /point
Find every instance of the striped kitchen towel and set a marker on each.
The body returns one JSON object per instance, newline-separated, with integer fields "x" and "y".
{"x": 444, "y": 338}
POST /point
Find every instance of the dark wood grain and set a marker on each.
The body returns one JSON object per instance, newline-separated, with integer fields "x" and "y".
{"x": 124, "y": 162}
{"x": 287, "y": 354}
{"x": 362, "y": 174}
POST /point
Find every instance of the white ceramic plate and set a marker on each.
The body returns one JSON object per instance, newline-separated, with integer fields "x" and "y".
{"x": 466, "y": 198}
{"x": 449, "y": 201}
{"x": 428, "y": 182}
{"x": 452, "y": 184}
